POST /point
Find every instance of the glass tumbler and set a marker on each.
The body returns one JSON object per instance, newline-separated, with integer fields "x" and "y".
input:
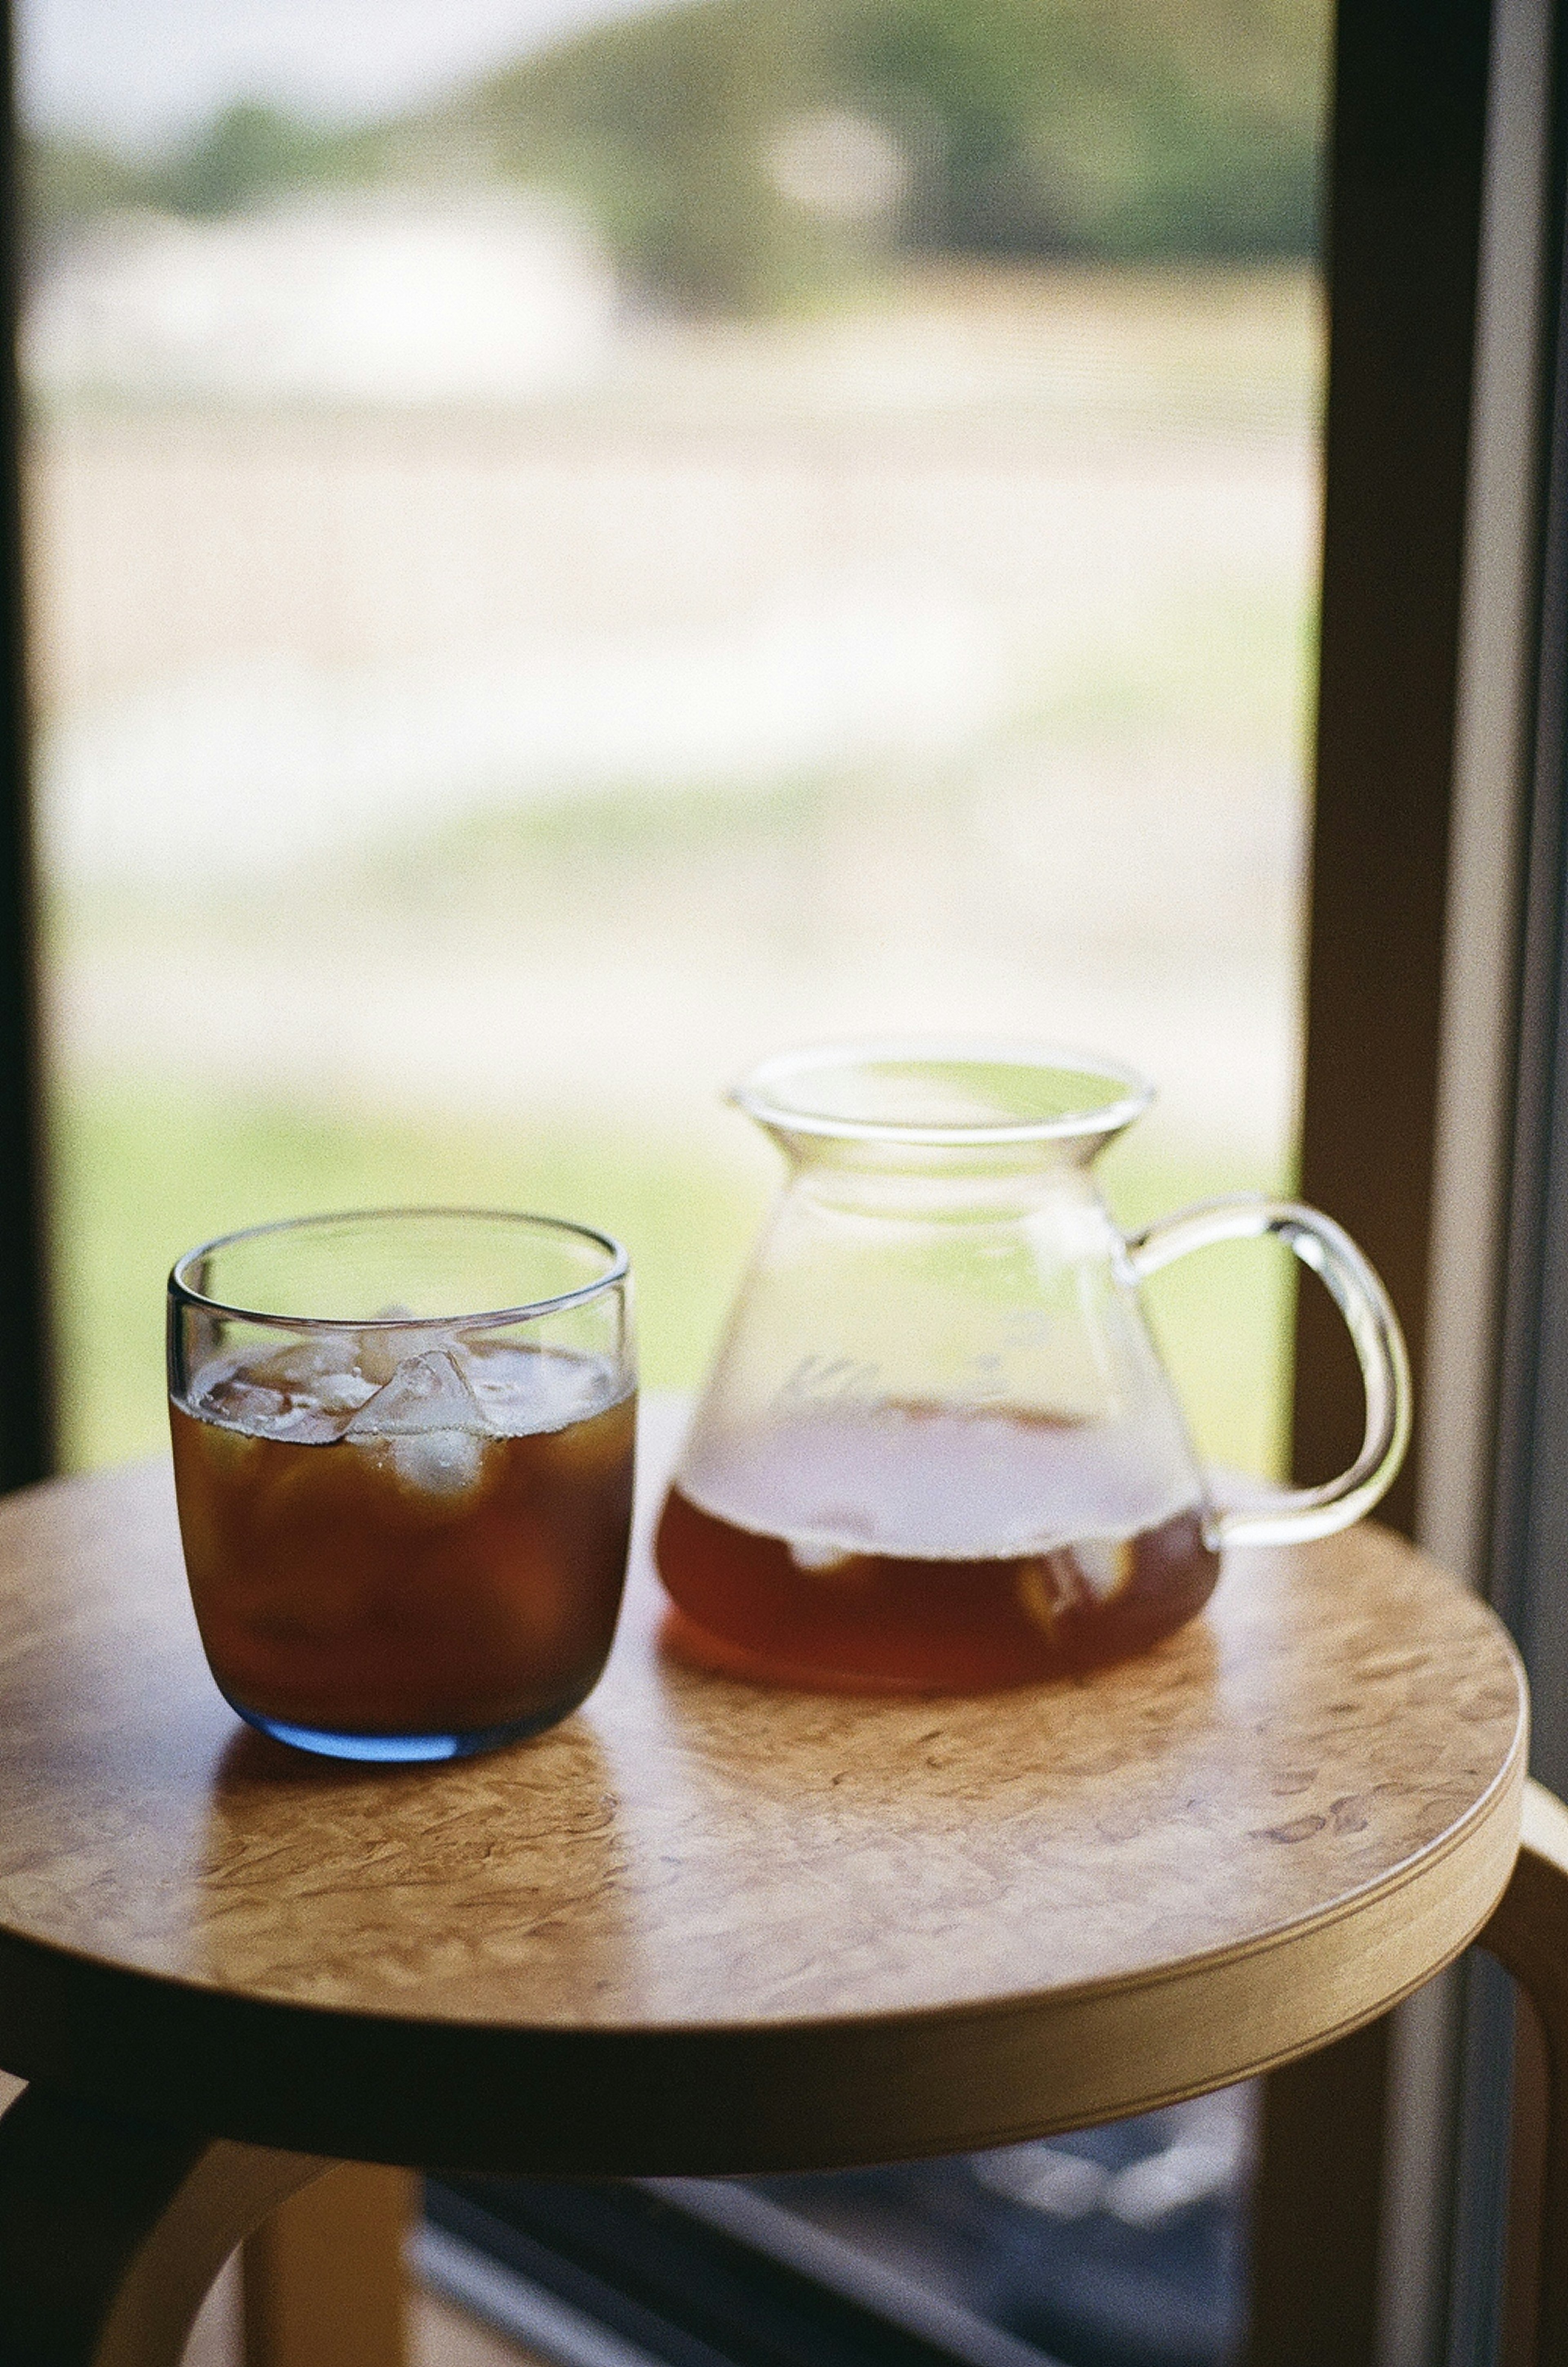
{"x": 404, "y": 1450}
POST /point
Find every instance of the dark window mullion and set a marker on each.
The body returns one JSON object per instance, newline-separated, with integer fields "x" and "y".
{"x": 26, "y": 1428}
{"x": 1410, "y": 102}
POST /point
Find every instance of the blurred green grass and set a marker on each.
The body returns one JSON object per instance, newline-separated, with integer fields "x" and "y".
{"x": 142, "y": 1171}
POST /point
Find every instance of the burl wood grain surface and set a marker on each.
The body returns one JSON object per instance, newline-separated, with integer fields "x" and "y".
{"x": 708, "y": 1925}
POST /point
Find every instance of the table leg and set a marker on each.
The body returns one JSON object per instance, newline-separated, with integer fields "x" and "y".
{"x": 1528, "y": 1935}
{"x": 323, "y": 2276}
{"x": 111, "y": 2230}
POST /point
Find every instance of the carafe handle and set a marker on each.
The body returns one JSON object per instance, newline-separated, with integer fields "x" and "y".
{"x": 1299, "y": 1513}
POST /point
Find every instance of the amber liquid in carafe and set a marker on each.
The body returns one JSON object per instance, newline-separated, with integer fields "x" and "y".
{"x": 913, "y": 1548}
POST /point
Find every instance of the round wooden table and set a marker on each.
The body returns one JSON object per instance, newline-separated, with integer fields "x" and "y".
{"x": 702, "y": 1927}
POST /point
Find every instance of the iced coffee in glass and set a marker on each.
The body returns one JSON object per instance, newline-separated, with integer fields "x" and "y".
{"x": 403, "y": 1448}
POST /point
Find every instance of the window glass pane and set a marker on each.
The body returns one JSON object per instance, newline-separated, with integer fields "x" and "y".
{"x": 1120, "y": 2244}
{"x": 574, "y": 543}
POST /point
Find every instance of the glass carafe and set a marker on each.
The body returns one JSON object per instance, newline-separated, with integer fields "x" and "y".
{"x": 938, "y": 1450}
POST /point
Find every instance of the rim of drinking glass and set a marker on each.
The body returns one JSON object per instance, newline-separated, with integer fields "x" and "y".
{"x": 489, "y": 1317}
{"x": 1132, "y": 1098}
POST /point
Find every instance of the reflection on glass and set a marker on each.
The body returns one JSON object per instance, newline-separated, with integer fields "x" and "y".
{"x": 1115, "y": 2247}
{"x": 574, "y": 543}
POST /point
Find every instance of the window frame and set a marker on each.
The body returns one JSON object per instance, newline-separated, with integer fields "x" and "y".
{"x": 1392, "y": 1017}
{"x": 28, "y": 1444}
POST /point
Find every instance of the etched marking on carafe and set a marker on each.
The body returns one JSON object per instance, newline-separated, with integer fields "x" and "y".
{"x": 831, "y": 1380}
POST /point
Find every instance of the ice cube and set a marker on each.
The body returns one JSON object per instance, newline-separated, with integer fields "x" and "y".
{"x": 338, "y": 1393}
{"x": 226, "y": 1393}
{"x": 577, "y": 1388}
{"x": 438, "y": 1462}
{"x": 818, "y": 1559}
{"x": 504, "y": 1379}
{"x": 300, "y": 1365}
{"x": 427, "y": 1392}
{"x": 380, "y": 1352}
{"x": 527, "y": 1390}
{"x": 302, "y": 1423}
{"x": 305, "y": 1389}
{"x": 434, "y": 1426}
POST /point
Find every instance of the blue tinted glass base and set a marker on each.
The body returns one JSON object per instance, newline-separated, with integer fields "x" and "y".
{"x": 395, "y": 1750}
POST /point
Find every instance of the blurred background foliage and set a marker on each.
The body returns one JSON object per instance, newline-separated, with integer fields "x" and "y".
{"x": 740, "y": 155}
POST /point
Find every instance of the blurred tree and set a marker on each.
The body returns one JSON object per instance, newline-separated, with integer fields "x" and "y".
{"x": 744, "y": 155}
{"x": 66, "y": 182}
{"x": 660, "y": 128}
{"x": 1101, "y": 128}
{"x": 1096, "y": 127}
{"x": 248, "y": 152}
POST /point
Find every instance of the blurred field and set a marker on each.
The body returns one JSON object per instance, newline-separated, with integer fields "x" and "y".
{"x": 445, "y": 804}
{"x": 942, "y": 664}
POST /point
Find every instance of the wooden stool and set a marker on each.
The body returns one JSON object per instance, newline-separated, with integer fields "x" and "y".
{"x": 702, "y": 1927}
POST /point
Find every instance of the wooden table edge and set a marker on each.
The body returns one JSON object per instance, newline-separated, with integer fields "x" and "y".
{"x": 639, "y": 2100}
